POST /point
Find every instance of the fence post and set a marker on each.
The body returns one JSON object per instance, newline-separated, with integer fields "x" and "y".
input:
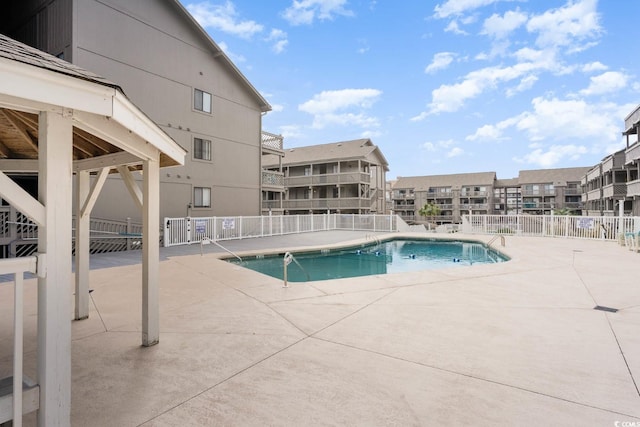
{"x": 215, "y": 228}
{"x": 128, "y": 233}
{"x": 297, "y": 223}
{"x": 188, "y": 230}
{"x": 281, "y": 224}
{"x": 353, "y": 221}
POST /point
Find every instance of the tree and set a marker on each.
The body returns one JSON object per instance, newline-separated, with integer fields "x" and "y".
{"x": 429, "y": 210}
{"x": 563, "y": 212}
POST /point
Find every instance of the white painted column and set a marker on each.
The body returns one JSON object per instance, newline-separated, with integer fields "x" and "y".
{"x": 82, "y": 247}
{"x": 54, "y": 240}
{"x": 150, "y": 252}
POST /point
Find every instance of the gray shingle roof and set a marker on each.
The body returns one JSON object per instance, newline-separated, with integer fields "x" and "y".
{"x": 458, "y": 180}
{"x": 355, "y": 149}
{"x": 20, "y": 52}
{"x": 552, "y": 176}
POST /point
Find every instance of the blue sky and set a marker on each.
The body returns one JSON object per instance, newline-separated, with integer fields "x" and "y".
{"x": 445, "y": 86}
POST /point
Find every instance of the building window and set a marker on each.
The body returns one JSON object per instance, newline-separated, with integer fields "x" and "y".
{"x": 201, "y": 197}
{"x": 201, "y": 149}
{"x": 202, "y": 101}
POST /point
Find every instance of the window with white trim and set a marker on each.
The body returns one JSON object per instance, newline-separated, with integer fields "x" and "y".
{"x": 202, "y": 101}
{"x": 201, "y": 197}
{"x": 201, "y": 149}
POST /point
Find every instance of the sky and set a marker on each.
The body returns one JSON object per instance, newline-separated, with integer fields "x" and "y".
{"x": 444, "y": 86}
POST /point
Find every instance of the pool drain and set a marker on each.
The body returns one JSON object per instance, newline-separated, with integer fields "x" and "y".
{"x": 602, "y": 308}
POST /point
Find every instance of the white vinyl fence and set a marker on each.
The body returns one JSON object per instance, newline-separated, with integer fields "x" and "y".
{"x": 184, "y": 231}
{"x": 581, "y": 227}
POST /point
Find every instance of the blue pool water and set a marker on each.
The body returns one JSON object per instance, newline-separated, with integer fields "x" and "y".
{"x": 393, "y": 256}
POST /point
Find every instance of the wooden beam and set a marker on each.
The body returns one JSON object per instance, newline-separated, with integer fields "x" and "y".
{"x": 21, "y": 200}
{"x": 18, "y": 165}
{"x": 102, "y": 146}
{"x": 109, "y": 160}
{"x": 90, "y": 200}
{"x": 131, "y": 185}
{"x": 20, "y": 127}
{"x": 111, "y": 131}
{"x": 5, "y": 151}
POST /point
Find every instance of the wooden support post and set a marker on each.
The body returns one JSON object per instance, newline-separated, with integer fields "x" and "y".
{"x": 150, "y": 252}
{"x": 82, "y": 247}
{"x": 54, "y": 240}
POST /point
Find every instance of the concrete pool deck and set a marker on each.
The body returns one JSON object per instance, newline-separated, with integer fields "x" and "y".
{"x": 515, "y": 343}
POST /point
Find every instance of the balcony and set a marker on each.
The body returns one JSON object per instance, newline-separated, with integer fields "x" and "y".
{"x": 633, "y": 188}
{"x": 592, "y": 195}
{"x": 471, "y": 194}
{"x": 403, "y": 196}
{"x": 539, "y": 192}
{"x": 474, "y": 206}
{"x": 632, "y": 153}
{"x": 328, "y": 179}
{"x": 617, "y": 190}
{"x": 272, "y": 144}
{"x": 330, "y": 203}
{"x": 443, "y": 194}
{"x": 537, "y": 205}
{"x": 272, "y": 181}
{"x": 632, "y": 119}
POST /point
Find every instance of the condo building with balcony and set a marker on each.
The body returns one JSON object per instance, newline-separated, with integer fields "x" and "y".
{"x": 169, "y": 66}
{"x": 272, "y": 179}
{"x": 340, "y": 177}
{"x": 455, "y": 195}
{"x": 632, "y": 161}
{"x": 546, "y": 190}
{"x": 604, "y": 186}
{"x": 535, "y": 192}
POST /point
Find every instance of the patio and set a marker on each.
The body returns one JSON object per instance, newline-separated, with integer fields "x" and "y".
{"x": 517, "y": 343}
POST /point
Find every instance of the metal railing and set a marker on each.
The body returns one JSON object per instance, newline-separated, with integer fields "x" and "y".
{"x": 184, "y": 231}
{"x": 580, "y": 227}
{"x": 272, "y": 178}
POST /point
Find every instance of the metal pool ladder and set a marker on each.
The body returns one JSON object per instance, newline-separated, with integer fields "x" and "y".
{"x": 286, "y": 260}
{"x": 494, "y": 238}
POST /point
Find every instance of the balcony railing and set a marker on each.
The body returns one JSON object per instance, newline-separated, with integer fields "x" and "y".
{"x": 272, "y": 141}
{"x": 540, "y": 192}
{"x": 632, "y": 153}
{"x": 471, "y": 194}
{"x": 403, "y": 196}
{"x": 633, "y": 188}
{"x": 273, "y": 179}
{"x": 335, "y": 178}
{"x": 614, "y": 190}
{"x": 474, "y": 206}
{"x": 330, "y": 203}
{"x": 537, "y": 205}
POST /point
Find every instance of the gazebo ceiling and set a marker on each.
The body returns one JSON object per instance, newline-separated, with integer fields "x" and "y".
{"x": 19, "y": 140}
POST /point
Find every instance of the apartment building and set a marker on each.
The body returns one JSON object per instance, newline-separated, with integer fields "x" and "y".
{"x": 454, "y": 194}
{"x": 340, "y": 177}
{"x": 535, "y": 192}
{"x": 605, "y": 186}
{"x": 170, "y": 67}
{"x": 632, "y": 161}
{"x": 546, "y": 190}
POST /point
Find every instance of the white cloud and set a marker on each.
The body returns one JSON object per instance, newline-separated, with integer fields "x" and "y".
{"x": 459, "y": 7}
{"x": 279, "y": 39}
{"x": 608, "y": 82}
{"x": 500, "y": 26}
{"x": 440, "y": 61}
{"x": 455, "y": 152}
{"x": 234, "y": 57}
{"x": 304, "y": 12}
{"x": 290, "y": 131}
{"x": 438, "y": 145}
{"x": 223, "y": 17}
{"x": 342, "y": 107}
{"x": 577, "y": 21}
{"x": 594, "y": 66}
{"x": 333, "y": 100}
{"x": 526, "y": 83}
{"x": 552, "y": 156}
{"x": 450, "y": 98}
{"x": 454, "y": 28}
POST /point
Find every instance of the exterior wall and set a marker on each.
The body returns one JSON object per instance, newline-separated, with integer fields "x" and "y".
{"x": 166, "y": 61}
{"x": 158, "y": 57}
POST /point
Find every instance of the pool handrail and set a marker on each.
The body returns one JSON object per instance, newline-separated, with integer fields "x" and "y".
{"x": 207, "y": 241}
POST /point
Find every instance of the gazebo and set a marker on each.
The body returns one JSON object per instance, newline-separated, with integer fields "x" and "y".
{"x": 58, "y": 121}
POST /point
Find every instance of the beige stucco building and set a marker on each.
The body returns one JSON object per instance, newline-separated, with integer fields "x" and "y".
{"x": 342, "y": 177}
{"x": 168, "y": 66}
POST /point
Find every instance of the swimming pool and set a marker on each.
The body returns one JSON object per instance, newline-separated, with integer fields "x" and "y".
{"x": 391, "y": 256}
